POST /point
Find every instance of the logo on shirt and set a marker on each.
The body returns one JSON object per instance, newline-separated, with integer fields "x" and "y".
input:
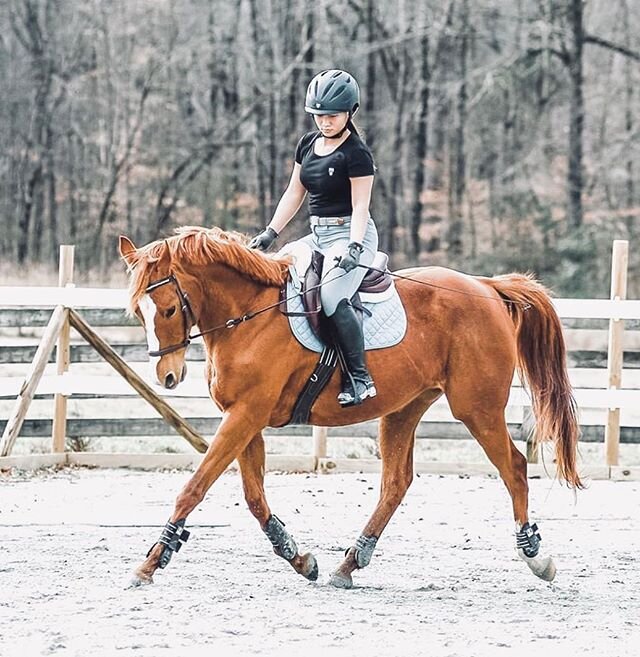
{"x": 331, "y": 170}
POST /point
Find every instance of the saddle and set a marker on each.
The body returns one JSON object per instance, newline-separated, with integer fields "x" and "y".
{"x": 376, "y": 280}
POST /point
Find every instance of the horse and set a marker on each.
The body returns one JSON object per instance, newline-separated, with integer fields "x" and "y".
{"x": 466, "y": 335}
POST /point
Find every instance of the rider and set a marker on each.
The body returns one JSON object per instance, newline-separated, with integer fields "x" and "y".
{"x": 336, "y": 167}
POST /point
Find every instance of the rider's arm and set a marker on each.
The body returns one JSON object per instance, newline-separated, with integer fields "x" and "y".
{"x": 360, "y": 200}
{"x": 290, "y": 202}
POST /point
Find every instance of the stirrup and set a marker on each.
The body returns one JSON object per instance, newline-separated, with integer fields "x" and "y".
{"x": 364, "y": 390}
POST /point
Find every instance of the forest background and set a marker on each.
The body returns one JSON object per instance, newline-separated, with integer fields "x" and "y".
{"x": 506, "y": 132}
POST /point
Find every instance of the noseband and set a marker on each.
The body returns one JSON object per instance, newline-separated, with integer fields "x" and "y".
{"x": 187, "y": 315}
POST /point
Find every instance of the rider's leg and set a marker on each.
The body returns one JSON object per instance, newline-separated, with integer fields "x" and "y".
{"x": 337, "y": 289}
{"x": 348, "y": 329}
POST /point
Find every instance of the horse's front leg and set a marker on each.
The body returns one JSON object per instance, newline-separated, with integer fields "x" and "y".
{"x": 252, "y": 465}
{"x": 236, "y": 430}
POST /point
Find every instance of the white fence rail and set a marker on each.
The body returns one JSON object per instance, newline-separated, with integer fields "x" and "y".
{"x": 69, "y": 384}
{"x": 76, "y": 297}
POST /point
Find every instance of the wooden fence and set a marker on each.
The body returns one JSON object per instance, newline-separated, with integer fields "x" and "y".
{"x": 58, "y": 310}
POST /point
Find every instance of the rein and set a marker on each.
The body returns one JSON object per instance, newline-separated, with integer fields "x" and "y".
{"x": 188, "y": 314}
{"x": 525, "y": 306}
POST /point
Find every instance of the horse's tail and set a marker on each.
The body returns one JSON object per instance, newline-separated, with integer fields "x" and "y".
{"x": 542, "y": 365}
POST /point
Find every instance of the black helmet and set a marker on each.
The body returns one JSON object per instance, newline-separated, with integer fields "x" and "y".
{"x": 331, "y": 92}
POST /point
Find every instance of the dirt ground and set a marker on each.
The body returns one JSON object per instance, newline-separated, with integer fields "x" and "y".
{"x": 444, "y": 581}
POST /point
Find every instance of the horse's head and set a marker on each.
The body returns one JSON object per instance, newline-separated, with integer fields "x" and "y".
{"x": 162, "y": 304}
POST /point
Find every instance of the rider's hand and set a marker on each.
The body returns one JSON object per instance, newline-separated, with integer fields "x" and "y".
{"x": 264, "y": 240}
{"x": 351, "y": 257}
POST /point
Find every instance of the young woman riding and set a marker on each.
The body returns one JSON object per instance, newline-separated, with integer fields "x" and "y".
{"x": 335, "y": 166}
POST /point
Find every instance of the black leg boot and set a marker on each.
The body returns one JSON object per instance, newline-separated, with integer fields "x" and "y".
{"x": 348, "y": 329}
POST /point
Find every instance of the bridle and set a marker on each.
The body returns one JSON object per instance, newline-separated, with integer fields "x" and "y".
{"x": 189, "y": 318}
{"x": 187, "y": 315}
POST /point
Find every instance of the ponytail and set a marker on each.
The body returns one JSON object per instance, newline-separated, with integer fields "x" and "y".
{"x": 352, "y": 127}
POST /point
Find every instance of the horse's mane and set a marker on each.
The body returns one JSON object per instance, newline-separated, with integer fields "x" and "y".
{"x": 201, "y": 246}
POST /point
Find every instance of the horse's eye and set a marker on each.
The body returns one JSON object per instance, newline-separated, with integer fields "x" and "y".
{"x": 171, "y": 312}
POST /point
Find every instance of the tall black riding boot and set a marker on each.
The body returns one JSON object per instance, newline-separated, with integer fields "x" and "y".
{"x": 348, "y": 329}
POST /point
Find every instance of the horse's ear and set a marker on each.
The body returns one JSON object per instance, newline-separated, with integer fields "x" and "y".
{"x": 165, "y": 256}
{"x": 127, "y": 249}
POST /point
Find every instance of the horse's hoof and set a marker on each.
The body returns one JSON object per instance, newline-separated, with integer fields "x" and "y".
{"x": 310, "y": 568}
{"x": 138, "y": 579}
{"x": 544, "y": 568}
{"x": 341, "y": 581}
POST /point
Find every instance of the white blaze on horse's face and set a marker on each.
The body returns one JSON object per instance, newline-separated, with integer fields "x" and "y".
{"x": 149, "y": 311}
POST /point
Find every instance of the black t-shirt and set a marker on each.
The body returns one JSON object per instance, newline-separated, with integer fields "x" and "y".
{"x": 326, "y": 177}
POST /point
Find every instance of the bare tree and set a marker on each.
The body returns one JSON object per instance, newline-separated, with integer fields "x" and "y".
{"x": 421, "y": 138}
{"x": 492, "y": 125}
{"x": 457, "y": 157}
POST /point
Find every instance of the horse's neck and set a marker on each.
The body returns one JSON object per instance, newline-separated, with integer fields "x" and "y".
{"x": 227, "y": 294}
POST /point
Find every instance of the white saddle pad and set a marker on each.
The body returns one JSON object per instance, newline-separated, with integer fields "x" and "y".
{"x": 385, "y": 327}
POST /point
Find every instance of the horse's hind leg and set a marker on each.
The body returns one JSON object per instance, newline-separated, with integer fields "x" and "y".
{"x": 252, "y": 463}
{"x": 489, "y": 428}
{"x": 397, "y": 432}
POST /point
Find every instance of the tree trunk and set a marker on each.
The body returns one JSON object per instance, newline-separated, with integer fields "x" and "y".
{"x": 260, "y": 134}
{"x": 232, "y": 106}
{"x": 309, "y": 55}
{"x": 370, "y": 76}
{"x": 293, "y": 34}
{"x": 396, "y": 184}
{"x": 24, "y": 223}
{"x": 51, "y": 204}
{"x": 442, "y": 65}
{"x": 576, "y": 115}
{"x": 457, "y": 182}
{"x": 37, "y": 209}
{"x": 629, "y": 113}
{"x": 421, "y": 139}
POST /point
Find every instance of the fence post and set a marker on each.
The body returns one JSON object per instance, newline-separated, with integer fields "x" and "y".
{"x": 59, "y": 430}
{"x": 319, "y": 443}
{"x": 615, "y": 349}
{"x": 528, "y": 429}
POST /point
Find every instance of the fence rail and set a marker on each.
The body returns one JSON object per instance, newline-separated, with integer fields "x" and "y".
{"x": 94, "y": 299}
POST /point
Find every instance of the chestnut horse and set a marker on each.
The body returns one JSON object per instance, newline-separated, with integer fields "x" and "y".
{"x": 465, "y": 336}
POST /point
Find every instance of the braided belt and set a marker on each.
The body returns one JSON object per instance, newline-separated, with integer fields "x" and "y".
{"x": 330, "y": 221}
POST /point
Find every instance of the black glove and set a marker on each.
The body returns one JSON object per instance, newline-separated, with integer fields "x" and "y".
{"x": 264, "y": 240}
{"x": 351, "y": 257}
